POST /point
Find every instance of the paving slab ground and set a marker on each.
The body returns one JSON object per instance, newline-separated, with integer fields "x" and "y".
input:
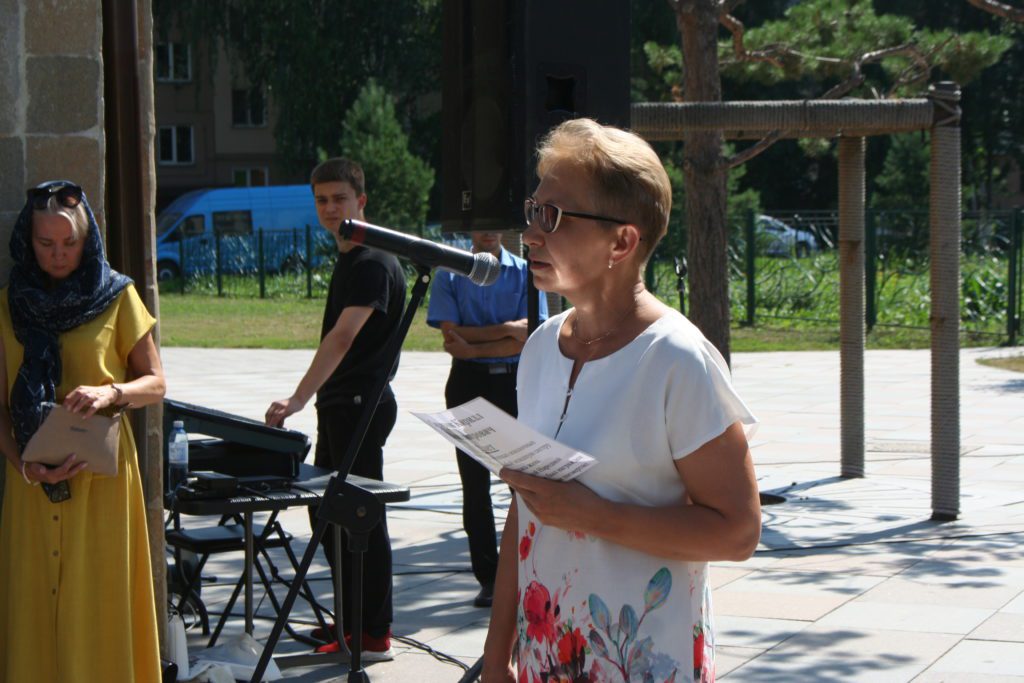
{"x": 852, "y": 581}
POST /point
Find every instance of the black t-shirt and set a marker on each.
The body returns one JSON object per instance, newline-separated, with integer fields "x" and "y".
{"x": 363, "y": 277}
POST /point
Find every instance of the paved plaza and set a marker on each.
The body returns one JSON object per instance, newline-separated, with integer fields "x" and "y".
{"x": 851, "y": 581}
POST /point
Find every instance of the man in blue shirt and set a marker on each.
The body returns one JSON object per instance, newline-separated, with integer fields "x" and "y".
{"x": 484, "y": 330}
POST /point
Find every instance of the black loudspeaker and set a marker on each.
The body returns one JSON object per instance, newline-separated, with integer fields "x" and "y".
{"x": 513, "y": 69}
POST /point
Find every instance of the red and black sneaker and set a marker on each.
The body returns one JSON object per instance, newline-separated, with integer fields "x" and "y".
{"x": 375, "y": 649}
{"x": 325, "y": 635}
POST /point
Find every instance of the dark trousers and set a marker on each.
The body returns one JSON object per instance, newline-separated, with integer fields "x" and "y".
{"x": 335, "y": 427}
{"x": 466, "y": 382}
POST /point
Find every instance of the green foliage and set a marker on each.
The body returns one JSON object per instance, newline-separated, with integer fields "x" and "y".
{"x": 666, "y": 65}
{"x": 740, "y": 202}
{"x": 828, "y": 35}
{"x": 397, "y": 182}
{"x": 823, "y": 37}
{"x": 903, "y": 182}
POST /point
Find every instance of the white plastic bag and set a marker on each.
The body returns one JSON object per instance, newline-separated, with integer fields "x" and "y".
{"x": 240, "y": 653}
{"x": 177, "y": 647}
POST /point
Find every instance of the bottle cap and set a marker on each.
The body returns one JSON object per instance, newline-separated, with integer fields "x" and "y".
{"x": 179, "y": 424}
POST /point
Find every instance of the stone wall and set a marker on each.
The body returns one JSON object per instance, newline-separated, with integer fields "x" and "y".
{"x": 51, "y": 84}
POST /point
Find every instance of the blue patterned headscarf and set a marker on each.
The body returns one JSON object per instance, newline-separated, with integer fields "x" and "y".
{"x": 42, "y": 309}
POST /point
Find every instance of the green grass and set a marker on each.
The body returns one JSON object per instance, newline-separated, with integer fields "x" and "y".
{"x": 280, "y": 323}
{"x": 227, "y": 322}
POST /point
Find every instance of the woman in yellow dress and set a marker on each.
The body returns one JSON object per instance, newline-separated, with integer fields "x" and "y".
{"x": 76, "y": 585}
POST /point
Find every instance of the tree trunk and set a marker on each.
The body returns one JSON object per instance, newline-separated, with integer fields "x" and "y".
{"x": 705, "y": 179}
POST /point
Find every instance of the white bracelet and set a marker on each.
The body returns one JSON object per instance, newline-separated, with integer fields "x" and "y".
{"x": 25, "y": 476}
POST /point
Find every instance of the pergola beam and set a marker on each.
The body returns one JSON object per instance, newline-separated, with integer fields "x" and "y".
{"x": 798, "y": 118}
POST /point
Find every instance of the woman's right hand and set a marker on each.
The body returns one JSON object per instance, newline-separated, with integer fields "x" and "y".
{"x": 37, "y": 471}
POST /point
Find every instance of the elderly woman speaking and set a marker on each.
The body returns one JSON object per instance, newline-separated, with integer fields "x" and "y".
{"x": 606, "y": 578}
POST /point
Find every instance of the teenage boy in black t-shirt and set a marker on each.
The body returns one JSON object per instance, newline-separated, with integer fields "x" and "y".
{"x": 364, "y": 306}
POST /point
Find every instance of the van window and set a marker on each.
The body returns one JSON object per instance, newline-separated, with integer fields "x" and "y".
{"x": 193, "y": 225}
{"x": 166, "y": 221}
{"x": 232, "y": 222}
{"x": 190, "y": 227}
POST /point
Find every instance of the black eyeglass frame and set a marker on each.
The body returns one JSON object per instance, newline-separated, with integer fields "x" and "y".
{"x": 531, "y": 202}
{"x": 68, "y": 195}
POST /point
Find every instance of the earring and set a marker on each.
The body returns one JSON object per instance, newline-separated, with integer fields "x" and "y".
{"x": 611, "y": 262}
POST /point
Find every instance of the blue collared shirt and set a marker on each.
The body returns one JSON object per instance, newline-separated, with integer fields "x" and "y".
{"x": 455, "y": 299}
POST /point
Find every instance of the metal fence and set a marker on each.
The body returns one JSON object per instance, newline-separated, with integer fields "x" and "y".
{"x": 275, "y": 263}
{"x": 785, "y": 269}
{"x": 264, "y": 264}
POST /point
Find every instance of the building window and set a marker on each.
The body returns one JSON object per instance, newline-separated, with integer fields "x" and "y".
{"x": 176, "y": 145}
{"x": 251, "y": 177}
{"x": 173, "y": 62}
{"x": 248, "y": 108}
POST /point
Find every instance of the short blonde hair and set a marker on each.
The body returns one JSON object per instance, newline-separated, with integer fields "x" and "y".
{"x": 76, "y": 216}
{"x": 629, "y": 180}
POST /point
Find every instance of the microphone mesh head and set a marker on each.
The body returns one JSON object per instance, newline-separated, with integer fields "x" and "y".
{"x": 485, "y": 271}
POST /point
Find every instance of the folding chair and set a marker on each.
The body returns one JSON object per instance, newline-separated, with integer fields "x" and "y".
{"x": 228, "y": 535}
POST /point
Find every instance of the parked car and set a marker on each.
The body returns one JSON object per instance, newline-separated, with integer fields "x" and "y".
{"x": 776, "y": 238}
{"x": 194, "y": 222}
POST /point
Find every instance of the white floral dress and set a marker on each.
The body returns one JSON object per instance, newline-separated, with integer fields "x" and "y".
{"x": 589, "y": 609}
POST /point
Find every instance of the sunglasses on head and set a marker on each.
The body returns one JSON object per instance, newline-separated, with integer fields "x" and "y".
{"x": 69, "y": 196}
{"x": 548, "y": 216}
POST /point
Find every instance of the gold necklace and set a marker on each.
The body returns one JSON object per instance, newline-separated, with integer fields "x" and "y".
{"x": 588, "y": 342}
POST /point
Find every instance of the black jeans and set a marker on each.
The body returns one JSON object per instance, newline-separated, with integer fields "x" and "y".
{"x": 335, "y": 427}
{"x": 466, "y": 382}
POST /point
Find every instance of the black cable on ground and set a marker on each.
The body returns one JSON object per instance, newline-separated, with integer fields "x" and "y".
{"x": 436, "y": 654}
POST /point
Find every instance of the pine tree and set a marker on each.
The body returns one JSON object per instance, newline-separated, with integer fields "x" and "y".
{"x": 397, "y": 182}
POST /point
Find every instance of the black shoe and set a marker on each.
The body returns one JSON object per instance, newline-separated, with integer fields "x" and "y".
{"x": 485, "y": 597}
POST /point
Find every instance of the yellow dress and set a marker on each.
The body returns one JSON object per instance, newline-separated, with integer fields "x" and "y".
{"x": 76, "y": 585}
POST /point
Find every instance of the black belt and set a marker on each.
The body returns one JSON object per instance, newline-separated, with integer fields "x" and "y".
{"x": 487, "y": 368}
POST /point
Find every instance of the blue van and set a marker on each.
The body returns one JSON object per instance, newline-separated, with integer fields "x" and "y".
{"x": 202, "y": 227}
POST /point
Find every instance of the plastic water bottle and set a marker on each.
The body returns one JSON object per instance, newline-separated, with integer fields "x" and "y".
{"x": 177, "y": 456}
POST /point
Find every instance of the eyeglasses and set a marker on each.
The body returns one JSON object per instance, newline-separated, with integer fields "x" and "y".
{"x": 548, "y": 216}
{"x": 69, "y": 196}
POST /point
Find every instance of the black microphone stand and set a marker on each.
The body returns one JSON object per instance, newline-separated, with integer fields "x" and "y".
{"x": 681, "y": 282}
{"x": 351, "y": 508}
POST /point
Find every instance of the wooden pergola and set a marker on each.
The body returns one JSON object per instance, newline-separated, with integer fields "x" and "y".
{"x": 851, "y": 121}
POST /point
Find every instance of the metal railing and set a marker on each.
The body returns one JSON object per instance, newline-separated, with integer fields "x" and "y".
{"x": 784, "y": 269}
{"x": 265, "y": 263}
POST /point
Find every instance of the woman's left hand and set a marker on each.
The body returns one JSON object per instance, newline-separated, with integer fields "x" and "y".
{"x": 564, "y": 504}
{"x": 86, "y": 400}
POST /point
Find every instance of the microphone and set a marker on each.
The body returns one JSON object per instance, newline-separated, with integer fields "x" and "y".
{"x": 481, "y": 269}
